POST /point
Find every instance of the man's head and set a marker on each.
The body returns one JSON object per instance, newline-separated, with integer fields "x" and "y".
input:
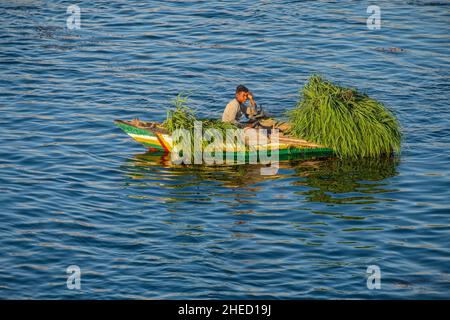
{"x": 241, "y": 93}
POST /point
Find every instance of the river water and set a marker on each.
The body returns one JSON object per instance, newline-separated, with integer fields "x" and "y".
{"x": 75, "y": 190}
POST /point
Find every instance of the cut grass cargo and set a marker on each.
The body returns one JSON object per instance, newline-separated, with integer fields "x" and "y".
{"x": 349, "y": 122}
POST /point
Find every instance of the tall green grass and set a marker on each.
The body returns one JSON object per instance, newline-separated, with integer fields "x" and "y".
{"x": 348, "y": 121}
{"x": 183, "y": 117}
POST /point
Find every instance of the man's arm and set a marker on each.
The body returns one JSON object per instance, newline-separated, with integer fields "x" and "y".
{"x": 252, "y": 101}
{"x": 251, "y": 109}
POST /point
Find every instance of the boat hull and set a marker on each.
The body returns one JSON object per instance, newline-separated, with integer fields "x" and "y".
{"x": 159, "y": 141}
{"x": 144, "y": 136}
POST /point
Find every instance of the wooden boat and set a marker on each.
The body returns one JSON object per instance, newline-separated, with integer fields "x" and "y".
{"x": 156, "y": 138}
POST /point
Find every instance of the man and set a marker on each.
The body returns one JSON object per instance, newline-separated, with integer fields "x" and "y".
{"x": 235, "y": 108}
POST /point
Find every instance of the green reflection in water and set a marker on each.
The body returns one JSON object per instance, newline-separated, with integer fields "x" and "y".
{"x": 329, "y": 185}
{"x": 343, "y": 181}
{"x": 325, "y": 180}
{"x": 322, "y": 175}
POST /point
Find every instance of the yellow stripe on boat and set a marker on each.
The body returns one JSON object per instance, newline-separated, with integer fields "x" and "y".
{"x": 152, "y": 135}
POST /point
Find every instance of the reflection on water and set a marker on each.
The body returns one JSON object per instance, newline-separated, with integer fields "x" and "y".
{"x": 330, "y": 180}
{"x": 324, "y": 218}
{"x": 322, "y": 176}
{"x": 324, "y": 182}
{"x": 231, "y": 176}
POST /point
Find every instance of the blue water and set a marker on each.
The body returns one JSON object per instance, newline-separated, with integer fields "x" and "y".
{"x": 75, "y": 190}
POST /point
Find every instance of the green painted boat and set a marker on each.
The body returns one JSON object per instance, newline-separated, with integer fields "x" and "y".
{"x": 157, "y": 139}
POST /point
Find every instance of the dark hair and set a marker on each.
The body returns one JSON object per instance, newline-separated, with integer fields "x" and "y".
{"x": 241, "y": 88}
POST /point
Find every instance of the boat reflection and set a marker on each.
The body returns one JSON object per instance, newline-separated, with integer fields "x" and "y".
{"x": 326, "y": 180}
{"x": 332, "y": 180}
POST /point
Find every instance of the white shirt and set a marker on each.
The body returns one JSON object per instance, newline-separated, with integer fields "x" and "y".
{"x": 233, "y": 111}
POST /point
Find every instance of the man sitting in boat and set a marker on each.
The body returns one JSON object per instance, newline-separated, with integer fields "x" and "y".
{"x": 236, "y": 108}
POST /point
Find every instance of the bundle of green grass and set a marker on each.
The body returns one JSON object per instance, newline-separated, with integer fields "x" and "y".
{"x": 183, "y": 117}
{"x": 348, "y": 121}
